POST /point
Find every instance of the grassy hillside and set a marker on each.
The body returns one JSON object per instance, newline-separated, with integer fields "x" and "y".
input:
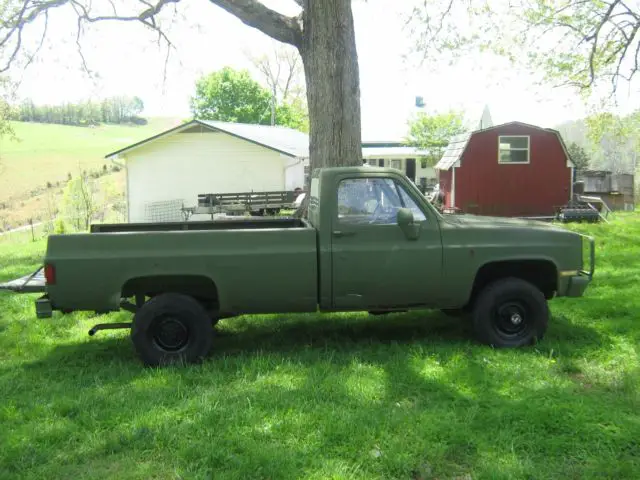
{"x": 404, "y": 396}
{"x": 49, "y": 153}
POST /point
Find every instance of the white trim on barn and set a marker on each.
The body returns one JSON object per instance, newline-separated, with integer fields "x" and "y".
{"x": 516, "y": 149}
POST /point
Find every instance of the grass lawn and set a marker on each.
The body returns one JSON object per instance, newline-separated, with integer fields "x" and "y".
{"x": 47, "y": 153}
{"x": 408, "y": 396}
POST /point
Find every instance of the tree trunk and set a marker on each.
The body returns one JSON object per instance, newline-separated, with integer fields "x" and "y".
{"x": 330, "y": 59}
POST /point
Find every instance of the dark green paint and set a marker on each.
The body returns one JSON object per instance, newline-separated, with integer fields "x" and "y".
{"x": 317, "y": 264}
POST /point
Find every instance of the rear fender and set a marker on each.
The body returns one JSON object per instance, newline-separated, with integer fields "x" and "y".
{"x": 198, "y": 286}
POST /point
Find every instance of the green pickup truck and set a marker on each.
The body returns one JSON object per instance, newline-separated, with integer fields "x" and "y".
{"x": 371, "y": 242}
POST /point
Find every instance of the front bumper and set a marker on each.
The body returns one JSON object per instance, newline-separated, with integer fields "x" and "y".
{"x": 575, "y": 284}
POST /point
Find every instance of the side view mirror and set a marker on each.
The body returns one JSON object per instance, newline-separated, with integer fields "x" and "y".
{"x": 407, "y": 224}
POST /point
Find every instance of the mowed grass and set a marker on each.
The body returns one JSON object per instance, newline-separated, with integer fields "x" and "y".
{"x": 47, "y": 153}
{"x": 407, "y": 396}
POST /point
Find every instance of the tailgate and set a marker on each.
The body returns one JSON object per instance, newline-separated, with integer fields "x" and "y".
{"x": 32, "y": 283}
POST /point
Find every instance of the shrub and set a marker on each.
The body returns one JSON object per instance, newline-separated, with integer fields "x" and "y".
{"x": 60, "y": 228}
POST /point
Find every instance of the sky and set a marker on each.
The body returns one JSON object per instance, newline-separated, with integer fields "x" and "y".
{"x": 129, "y": 61}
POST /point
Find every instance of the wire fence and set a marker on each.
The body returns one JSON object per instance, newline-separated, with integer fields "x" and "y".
{"x": 38, "y": 229}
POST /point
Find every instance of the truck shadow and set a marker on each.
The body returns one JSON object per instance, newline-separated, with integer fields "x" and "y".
{"x": 430, "y": 329}
{"x": 289, "y": 335}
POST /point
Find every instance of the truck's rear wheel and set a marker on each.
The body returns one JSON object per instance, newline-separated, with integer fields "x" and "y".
{"x": 510, "y": 313}
{"x": 172, "y": 328}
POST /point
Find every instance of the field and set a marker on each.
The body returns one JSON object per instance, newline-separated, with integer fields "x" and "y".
{"x": 49, "y": 153}
{"x": 409, "y": 396}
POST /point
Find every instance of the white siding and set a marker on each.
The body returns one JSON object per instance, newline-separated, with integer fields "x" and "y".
{"x": 428, "y": 172}
{"x": 179, "y": 167}
{"x": 294, "y": 172}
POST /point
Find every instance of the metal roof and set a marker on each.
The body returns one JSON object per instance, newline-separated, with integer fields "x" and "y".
{"x": 281, "y": 139}
{"x": 374, "y": 152}
{"x": 454, "y": 151}
{"x": 458, "y": 144}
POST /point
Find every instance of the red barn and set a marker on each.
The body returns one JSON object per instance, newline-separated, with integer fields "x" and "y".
{"x": 514, "y": 169}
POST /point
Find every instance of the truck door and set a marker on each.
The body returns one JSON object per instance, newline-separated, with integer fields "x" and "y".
{"x": 374, "y": 263}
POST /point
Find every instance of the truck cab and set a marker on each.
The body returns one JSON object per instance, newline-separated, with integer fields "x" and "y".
{"x": 379, "y": 238}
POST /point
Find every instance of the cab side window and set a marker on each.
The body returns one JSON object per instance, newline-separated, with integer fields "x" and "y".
{"x": 363, "y": 201}
{"x": 407, "y": 202}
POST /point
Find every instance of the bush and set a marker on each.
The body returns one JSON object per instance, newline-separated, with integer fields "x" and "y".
{"x": 60, "y": 228}
{"x": 139, "y": 121}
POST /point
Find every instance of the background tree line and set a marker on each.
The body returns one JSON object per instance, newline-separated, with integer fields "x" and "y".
{"x": 116, "y": 110}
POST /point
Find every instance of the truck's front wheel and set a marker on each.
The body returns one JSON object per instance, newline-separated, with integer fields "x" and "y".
{"x": 171, "y": 328}
{"x": 510, "y": 313}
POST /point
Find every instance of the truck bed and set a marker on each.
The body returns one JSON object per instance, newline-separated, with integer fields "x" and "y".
{"x": 254, "y": 266}
{"x": 227, "y": 224}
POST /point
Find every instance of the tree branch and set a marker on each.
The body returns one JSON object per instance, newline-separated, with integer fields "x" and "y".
{"x": 594, "y": 37}
{"x": 255, "y": 14}
{"x": 11, "y": 29}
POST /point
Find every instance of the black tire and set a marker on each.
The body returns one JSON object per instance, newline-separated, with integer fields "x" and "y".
{"x": 510, "y": 313}
{"x": 172, "y": 328}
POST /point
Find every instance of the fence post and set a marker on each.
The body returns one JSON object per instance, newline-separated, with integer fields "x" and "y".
{"x": 33, "y": 235}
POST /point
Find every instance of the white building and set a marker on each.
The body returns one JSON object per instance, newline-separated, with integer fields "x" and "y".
{"x": 169, "y": 171}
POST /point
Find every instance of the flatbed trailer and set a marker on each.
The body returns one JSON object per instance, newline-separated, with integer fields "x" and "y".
{"x": 253, "y": 203}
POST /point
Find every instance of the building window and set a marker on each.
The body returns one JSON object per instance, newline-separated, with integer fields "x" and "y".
{"x": 381, "y": 162}
{"x": 423, "y": 163}
{"x": 397, "y": 164}
{"x": 513, "y": 149}
{"x": 373, "y": 162}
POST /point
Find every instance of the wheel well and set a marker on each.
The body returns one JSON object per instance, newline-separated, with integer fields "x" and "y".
{"x": 199, "y": 287}
{"x": 541, "y": 273}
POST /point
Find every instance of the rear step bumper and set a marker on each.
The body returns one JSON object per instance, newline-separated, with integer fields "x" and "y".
{"x": 43, "y": 307}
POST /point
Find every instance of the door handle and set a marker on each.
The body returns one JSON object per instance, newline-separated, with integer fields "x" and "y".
{"x": 340, "y": 233}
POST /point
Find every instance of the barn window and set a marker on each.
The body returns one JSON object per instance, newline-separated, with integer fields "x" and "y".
{"x": 397, "y": 164}
{"x": 513, "y": 149}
